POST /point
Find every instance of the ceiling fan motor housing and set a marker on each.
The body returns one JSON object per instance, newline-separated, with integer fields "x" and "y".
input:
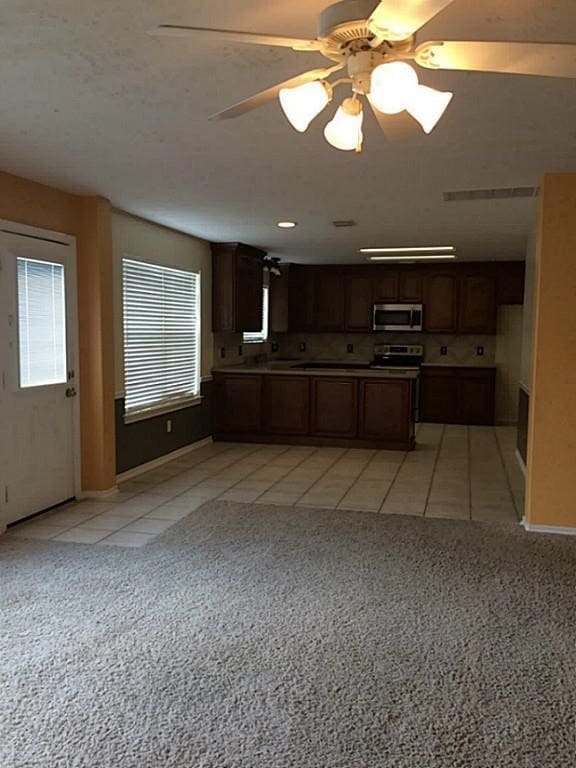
{"x": 345, "y": 20}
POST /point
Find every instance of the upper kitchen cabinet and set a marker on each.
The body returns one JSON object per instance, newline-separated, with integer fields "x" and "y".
{"x": 279, "y": 301}
{"x": 330, "y": 301}
{"x": 510, "y": 282}
{"x": 477, "y": 303}
{"x": 441, "y": 302}
{"x": 359, "y": 304}
{"x": 302, "y": 298}
{"x": 385, "y": 285}
{"x": 237, "y": 283}
{"x": 410, "y": 285}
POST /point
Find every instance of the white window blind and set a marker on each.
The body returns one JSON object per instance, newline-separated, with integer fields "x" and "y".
{"x": 41, "y": 323}
{"x": 161, "y": 336}
{"x": 254, "y": 337}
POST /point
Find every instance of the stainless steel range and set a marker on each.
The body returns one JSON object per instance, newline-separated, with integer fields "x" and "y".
{"x": 398, "y": 359}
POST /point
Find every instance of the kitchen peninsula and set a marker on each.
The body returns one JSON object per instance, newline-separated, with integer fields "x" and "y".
{"x": 340, "y": 404}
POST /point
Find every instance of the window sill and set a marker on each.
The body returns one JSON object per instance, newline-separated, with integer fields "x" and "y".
{"x": 160, "y": 410}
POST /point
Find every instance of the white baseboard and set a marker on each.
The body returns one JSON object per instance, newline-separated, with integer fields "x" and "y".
{"x": 547, "y": 529}
{"x": 141, "y": 468}
{"x": 520, "y": 461}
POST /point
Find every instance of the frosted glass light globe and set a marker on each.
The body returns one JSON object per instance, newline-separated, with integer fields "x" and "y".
{"x": 303, "y": 103}
{"x": 344, "y": 131}
{"x": 392, "y": 86}
{"x": 427, "y": 105}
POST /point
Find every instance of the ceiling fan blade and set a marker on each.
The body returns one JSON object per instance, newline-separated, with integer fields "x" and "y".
{"x": 398, "y": 19}
{"x": 546, "y": 59}
{"x": 396, "y": 127}
{"x": 233, "y": 36}
{"x": 271, "y": 93}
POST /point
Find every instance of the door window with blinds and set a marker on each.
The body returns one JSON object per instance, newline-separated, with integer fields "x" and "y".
{"x": 41, "y": 323}
{"x": 161, "y": 337}
{"x": 259, "y": 336}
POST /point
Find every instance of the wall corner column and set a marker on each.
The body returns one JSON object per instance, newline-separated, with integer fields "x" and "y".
{"x": 96, "y": 343}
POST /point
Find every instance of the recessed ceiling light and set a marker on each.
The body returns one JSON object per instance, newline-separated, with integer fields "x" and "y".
{"x": 414, "y": 257}
{"x": 287, "y": 224}
{"x": 417, "y": 249}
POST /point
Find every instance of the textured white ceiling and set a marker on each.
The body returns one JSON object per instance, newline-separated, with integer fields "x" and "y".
{"x": 92, "y": 104}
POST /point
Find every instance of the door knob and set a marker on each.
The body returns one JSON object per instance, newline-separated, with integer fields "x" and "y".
{"x": 70, "y": 392}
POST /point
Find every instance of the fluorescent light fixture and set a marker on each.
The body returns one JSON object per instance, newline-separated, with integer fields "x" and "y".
{"x": 303, "y": 103}
{"x": 287, "y": 224}
{"x": 414, "y": 257}
{"x": 344, "y": 131}
{"x": 416, "y": 249}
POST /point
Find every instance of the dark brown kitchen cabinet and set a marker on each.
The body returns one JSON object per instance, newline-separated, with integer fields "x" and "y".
{"x": 279, "y": 301}
{"x": 237, "y": 282}
{"x": 334, "y": 406}
{"x": 477, "y": 303}
{"x": 302, "y": 298}
{"x": 330, "y": 302}
{"x": 410, "y": 285}
{"x": 359, "y": 304}
{"x": 384, "y": 286}
{"x": 286, "y": 404}
{"x": 237, "y": 403}
{"x": 386, "y": 411}
{"x": 441, "y": 303}
{"x": 510, "y": 276}
{"x": 457, "y": 395}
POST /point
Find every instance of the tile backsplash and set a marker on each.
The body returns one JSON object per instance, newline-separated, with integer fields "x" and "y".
{"x": 236, "y": 351}
{"x": 339, "y": 346}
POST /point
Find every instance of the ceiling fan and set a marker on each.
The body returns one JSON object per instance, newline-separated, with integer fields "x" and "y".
{"x": 375, "y": 45}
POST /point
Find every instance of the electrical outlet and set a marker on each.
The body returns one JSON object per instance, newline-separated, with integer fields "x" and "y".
{"x": 443, "y": 350}
{"x": 168, "y": 426}
{"x": 480, "y": 351}
{"x": 302, "y": 346}
{"x": 274, "y": 346}
{"x": 350, "y": 348}
{"x": 222, "y": 352}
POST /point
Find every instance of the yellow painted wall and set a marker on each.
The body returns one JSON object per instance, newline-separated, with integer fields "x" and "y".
{"x": 89, "y": 220}
{"x": 551, "y": 465}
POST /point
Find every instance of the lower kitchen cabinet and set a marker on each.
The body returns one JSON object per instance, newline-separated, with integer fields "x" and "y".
{"x": 334, "y": 406}
{"x": 457, "y": 395}
{"x": 286, "y": 404}
{"x": 238, "y": 403}
{"x": 386, "y": 411}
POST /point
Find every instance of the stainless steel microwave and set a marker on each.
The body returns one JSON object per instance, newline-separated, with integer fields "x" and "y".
{"x": 398, "y": 317}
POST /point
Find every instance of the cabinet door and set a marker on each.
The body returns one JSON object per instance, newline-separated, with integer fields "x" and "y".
{"x": 386, "y": 410}
{"x": 302, "y": 299}
{"x": 334, "y": 407}
{"x": 249, "y": 286}
{"x": 441, "y": 306}
{"x": 439, "y": 395}
{"x": 286, "y": 404}
{"x": 330, "y": 301}
{"x": 279, "y": 293}
{"x": 477, "y": 311}
{"x": 510, "y": 276}
{"x": 476, "y": 396}
{"x": 410, "y": 286}
{"x": 238, "y": 405}
{"x": 359, "y": 304}
{"x": 385, "y": 286}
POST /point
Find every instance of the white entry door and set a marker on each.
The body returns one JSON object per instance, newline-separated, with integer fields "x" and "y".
{"x": 38, "y": 401}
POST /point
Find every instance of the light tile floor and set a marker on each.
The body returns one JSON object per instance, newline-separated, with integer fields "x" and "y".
{"x": 456, "y": 472}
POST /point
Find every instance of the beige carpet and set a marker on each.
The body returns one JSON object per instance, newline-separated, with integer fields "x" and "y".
{"x": 269, "y": 637}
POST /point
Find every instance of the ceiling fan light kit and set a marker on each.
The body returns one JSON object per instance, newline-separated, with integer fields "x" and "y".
{"x": 375, "y": 43}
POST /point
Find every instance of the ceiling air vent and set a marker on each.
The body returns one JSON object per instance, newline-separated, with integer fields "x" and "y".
{"x": 502, "y": 193}
{"x": 344, "y": 223}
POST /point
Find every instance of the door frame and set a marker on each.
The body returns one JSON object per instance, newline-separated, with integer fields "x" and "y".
{"x": 72, "y": 332}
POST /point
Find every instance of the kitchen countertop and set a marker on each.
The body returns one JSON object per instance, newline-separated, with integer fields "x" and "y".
{"x": 284, "y": 367}
{"x": 459, "y": 365}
